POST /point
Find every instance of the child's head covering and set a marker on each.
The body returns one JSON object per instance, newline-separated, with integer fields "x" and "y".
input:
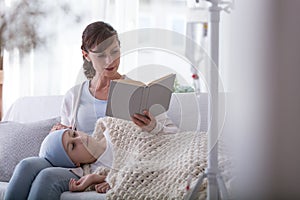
{"x": 53, "y": 150}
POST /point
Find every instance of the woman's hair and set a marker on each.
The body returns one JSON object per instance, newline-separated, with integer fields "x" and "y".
{"x": 94, "y": 34}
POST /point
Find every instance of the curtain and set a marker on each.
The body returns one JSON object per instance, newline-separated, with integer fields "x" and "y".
{"x": 52, "y": 68}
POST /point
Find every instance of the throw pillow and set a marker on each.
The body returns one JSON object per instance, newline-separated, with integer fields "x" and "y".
{"x": 20, "y": 140}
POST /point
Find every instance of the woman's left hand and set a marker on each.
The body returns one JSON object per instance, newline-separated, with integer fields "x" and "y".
{"x": 146, "y": 122}
{"x": 59, "y": 126}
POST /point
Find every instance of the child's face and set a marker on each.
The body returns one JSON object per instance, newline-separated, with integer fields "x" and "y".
{"x": 80, "y": 147}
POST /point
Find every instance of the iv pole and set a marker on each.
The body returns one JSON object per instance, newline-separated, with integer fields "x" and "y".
{"x": 216, "y": 187}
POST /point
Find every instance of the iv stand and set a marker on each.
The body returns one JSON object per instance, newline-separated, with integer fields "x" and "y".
{"x": 216, "y": 187}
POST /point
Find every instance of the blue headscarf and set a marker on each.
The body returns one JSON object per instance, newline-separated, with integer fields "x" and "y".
{"x": 53, "y": 150}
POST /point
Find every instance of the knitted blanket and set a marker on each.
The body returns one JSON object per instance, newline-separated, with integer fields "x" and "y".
{"x": 147, "y": 166}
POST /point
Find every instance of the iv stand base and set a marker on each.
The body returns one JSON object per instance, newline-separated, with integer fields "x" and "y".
{"x": 215, "y": 182}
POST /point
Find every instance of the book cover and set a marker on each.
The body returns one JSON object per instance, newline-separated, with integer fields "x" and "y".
{"x": 127, "y": 97}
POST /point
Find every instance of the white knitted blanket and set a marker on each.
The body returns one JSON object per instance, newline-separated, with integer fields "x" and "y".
{"x": 147, "y": 166}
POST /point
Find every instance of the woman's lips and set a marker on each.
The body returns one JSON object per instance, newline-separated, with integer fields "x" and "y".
{"x": 109, "y": 68}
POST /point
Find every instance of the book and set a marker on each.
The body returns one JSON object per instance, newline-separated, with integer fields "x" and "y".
{"x": 127, "y": 97}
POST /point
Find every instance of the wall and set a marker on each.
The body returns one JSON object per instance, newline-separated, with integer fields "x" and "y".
{"x": 264, "y": 112}
{"x": 286, "y": 152}
{"x": 1, "y": 85}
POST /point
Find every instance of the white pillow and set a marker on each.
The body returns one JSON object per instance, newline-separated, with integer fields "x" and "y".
{"x": 19, "y": 141}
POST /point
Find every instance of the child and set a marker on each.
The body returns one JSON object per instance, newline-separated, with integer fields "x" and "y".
{"x": 143, "y": 165}
{"x": 70, "y": 149}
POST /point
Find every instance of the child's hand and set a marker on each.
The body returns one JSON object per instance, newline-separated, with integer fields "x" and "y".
{"x": 146, "y": 122}
{"x": 84, "y": 182}
{"x": 102, "y": 187}
{"x": 80, "y": 185}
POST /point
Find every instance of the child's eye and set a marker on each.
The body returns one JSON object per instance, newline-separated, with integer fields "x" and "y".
{"x": 101, "y": 56}
{"x": 73, "y": 146}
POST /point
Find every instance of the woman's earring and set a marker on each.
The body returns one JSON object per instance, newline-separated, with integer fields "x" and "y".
{"x": 85, "y": 55}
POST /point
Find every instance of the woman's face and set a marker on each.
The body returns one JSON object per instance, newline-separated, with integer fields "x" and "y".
{"x": 106, "y": 62}
{"x": 80, "y": 147}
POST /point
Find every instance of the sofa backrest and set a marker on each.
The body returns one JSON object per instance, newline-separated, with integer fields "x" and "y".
{"x": 187, "y": 110}
{"x": 34, "y": 108}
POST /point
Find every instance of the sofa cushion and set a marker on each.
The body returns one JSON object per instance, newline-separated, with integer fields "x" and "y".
{"x": 3, "y": 186}
{"x": 82, "y": 195}
{"x": 20, "y": 140}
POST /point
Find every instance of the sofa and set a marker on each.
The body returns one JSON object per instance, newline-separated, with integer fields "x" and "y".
{"x": 29, "y": 120}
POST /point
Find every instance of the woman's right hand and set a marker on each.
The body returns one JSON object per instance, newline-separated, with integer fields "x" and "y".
{"x": 102, "y": 187}
{"x": 59, "y": 126}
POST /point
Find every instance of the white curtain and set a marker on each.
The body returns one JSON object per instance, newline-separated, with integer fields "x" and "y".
{"x": 52, "y": 68}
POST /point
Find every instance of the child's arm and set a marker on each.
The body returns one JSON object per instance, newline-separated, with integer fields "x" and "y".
{"x": 85, "y": 181}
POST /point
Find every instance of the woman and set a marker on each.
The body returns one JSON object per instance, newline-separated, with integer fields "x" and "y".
{"x": 36, "y": 178}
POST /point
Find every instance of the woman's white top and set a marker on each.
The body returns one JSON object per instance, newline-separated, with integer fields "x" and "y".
{"x": 89, "y": 109}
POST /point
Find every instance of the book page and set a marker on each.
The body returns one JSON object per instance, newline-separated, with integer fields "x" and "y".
{"x": 163, "y": 79}
{"x": 130, "y": 81}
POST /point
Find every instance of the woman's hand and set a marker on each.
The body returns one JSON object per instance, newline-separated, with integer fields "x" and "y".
{"x": 85, "y": 181}
{"x": 59, "y": 126}
{"x": 102, "y": 187}
{"x": 146, "y": 122}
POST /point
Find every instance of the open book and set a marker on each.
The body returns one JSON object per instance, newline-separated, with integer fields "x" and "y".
{"x": 127, "y": 97}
